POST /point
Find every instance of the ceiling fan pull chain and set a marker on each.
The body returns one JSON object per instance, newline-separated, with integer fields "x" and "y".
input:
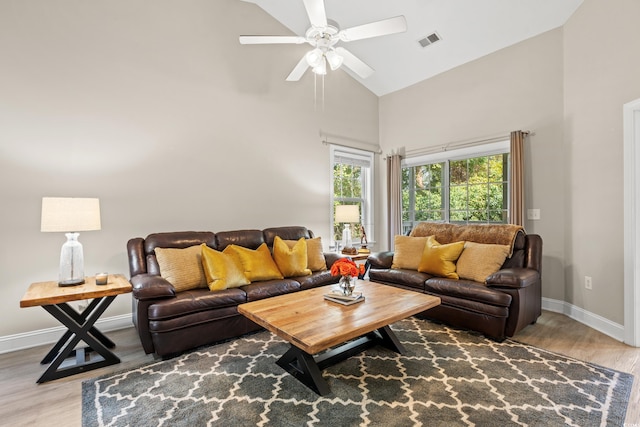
{"x": 323, "y": 93}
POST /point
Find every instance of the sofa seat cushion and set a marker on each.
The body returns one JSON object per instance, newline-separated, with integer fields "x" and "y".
{"x": 191, "y": 320}
{"x": 195, "y": 301}
{"x": 469, "y": 306}
{"x": 270, "y": 288}
{"x": 467, "y": 290}
{"x": 318, "y": 278}
{"x": 409, "y": 278}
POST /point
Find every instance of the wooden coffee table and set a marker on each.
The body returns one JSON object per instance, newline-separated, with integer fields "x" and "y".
{"x": 64, "y": 358}
{"x": 322, "y": 332}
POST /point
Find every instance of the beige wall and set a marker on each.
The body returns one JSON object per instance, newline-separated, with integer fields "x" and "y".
{"x": 602, "y": 72}
{"x": 568, "y": 87}
{"x": 516, "y": 88}
{"x": 160, "y": 113}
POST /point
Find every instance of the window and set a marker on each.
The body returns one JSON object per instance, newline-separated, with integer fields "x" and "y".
{"x": 463, "y": 186}
{"x": 352, "y": 184}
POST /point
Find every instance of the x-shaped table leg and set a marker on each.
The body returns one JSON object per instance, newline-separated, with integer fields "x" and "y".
{"x": 80, "y": 328}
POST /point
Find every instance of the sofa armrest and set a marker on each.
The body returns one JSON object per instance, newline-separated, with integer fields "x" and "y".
{"x": 381, "y": 259}
{"x": 331, "y": 257}
{"x": 513, "y": 278}
{"x": 148, "y": 286}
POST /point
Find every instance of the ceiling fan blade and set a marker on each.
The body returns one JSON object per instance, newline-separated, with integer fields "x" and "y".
{"x": 354, "y": 63}
{"x": 316, "y": 12}
{"x": 298, "y": 71}
{"x": 375, "y": 29}
{"x": 272, "y": 40}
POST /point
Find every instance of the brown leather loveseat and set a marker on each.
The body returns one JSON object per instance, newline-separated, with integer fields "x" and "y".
{"x": 171, "y": 322}
{"x": 507, "y": 301}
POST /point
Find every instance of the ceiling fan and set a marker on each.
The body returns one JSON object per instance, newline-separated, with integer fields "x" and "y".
{"x": 323, "y": 35}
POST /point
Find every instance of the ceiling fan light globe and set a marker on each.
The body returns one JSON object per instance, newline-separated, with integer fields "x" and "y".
{"x": 314, "y": 58}
{"x": 335, "y": 60}
{"x": 321, "y": 69}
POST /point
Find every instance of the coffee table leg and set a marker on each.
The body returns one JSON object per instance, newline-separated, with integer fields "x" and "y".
{"x": 390, "y": 340}
{"x": 302, "y": 366}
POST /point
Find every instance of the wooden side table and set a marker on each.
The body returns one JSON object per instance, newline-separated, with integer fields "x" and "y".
{"x": 64, "y": 358}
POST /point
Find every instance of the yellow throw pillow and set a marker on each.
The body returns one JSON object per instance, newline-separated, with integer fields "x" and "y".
{"x": 292, "y": 262}
{"x": 478, "y": 261}
{"x": 257, "y": 264}
{"x": 221, "y": 270}
{"x": 408, "y": 252}
{"x": 439, "y": 260}
{"x": 182, "y": 267}
{"x": 315, "y": 253}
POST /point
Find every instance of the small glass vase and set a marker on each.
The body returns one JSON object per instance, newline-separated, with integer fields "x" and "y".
{"x": 347, "y": 284}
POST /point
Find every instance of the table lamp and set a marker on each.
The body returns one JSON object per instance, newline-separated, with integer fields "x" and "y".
{"x": 70, "y": 215}
{"x": 347, "y": 214}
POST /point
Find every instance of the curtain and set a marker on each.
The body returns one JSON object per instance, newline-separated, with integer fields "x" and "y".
{"x": 516, "y": 192}
{"x": 394, "y": 197}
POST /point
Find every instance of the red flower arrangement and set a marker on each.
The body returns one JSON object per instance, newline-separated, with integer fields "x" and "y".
{"x": 346, "y": 267}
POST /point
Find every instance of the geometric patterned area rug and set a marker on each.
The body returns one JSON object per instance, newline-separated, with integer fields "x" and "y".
{"x": 446, "y": 378}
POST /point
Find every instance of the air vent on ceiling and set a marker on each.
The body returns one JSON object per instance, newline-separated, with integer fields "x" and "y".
{"x": 430, "y": 39}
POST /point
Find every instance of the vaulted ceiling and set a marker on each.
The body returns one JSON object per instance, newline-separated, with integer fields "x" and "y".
{"x": 468, "y": 29}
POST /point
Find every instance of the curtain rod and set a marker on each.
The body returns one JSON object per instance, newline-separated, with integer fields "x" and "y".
{"x": 350, "y": 143}
{"x": 461, "y": 144}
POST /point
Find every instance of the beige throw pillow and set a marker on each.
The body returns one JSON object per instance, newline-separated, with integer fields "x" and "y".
{"x": 315, "y": 253}
{"x": 408, "y": 252}
{"x": 478, "y": 260}
{"x": 182, "y": 267}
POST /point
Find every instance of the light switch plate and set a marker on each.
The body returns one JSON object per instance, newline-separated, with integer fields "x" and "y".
{"x": 533, "y": 214}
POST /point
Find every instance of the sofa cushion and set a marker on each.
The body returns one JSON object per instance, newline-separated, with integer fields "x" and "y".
{"x": 317, "y": 278}
{"x": 439, "y": 260}
{"x": 257, "y": 264}
{"x": 409, "y": 278}
{"x": 182, "y": 267}
{"x": 291, "y": 261}
{"x": 408, "y": 252}
{"x": 195, "y": 301}
{"x": 270, "y": 288}
{"x": 285, "y": 233}
{"x": 251, "y": 239}
{"x": 478, "y": 260}
{"x": 467, "y": 290}
{"x": 221, "y": 270}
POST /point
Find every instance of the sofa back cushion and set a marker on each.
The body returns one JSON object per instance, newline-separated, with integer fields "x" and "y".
{"x": 251, "y": 239}
{"x": 286, "y": 233}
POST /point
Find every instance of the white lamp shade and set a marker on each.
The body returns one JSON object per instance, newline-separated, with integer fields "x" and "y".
{"x": 347, "y": 213}
{"x": 66, "y": 214}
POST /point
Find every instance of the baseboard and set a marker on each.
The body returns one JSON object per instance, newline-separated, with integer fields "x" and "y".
{"x": 25, "y": 340}
{"x": 599, "y": 323}
{"x": 50, "y": 335}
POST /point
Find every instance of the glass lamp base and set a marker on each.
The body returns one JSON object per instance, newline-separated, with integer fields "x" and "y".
{"x": 71, "y": 282}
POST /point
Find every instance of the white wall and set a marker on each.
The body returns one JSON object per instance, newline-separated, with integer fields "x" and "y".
{"x": 519, "y": 87}
{"x": 568, "y": 87}
{"x": 602, "y": 72}
{"x": 155, "y": 108}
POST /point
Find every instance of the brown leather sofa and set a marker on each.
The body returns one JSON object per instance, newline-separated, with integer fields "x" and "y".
{"x": 510, "y": 300}
{"x": 171, "y": 322}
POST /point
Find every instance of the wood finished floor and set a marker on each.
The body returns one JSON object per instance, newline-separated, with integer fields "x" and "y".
{"x": 58, "y": 403}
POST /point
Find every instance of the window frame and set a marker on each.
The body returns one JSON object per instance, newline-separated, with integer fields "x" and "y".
{"x": 447, "y": 156}
{"x": 367, "y": 199}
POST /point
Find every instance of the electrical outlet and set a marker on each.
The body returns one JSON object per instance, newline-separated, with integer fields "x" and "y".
{"x": 588, "y": 284}
{"x": 533, "y": 214}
